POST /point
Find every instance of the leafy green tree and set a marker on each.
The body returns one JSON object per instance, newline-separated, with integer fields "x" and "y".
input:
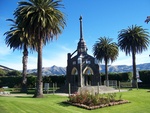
{"x": 2, "y": 72}
{"x": 43, "y": 21}
{"x": 133, "y": 40}
{"x": 14, "y": 73}
{"x": 105, "y": 50}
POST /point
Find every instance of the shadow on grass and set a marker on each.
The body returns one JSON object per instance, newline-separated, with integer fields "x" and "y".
{"x": 30, "y": 96}
{"x": 64, "y": 104}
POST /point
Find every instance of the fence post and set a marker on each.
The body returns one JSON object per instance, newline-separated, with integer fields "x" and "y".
{"x": 53, "y": 89}
{"x": 137, "y": 85}
{"x": 98, "y": 88}
{"x": 116, "y": 83}
{"x": 56, "y": 85}
{"x": 69, "y": 89}
{"x": 119, "y": 86}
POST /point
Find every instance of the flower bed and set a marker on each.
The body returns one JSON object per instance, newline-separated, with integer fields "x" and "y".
{"x": 88, "y": 101}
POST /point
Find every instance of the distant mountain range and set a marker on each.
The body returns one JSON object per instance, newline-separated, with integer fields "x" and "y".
{"x": 125, "y": 68}
{"x": 55, "y": 70}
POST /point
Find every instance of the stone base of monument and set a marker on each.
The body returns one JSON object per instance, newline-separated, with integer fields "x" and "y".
{"x": 90, "y": 89}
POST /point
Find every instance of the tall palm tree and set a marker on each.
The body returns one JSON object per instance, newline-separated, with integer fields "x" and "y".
{"x": 16, "y": 39}
{"x": 133, "y": 40}
{"x": 105, "y": 50}
{"x": 43, "y": 20}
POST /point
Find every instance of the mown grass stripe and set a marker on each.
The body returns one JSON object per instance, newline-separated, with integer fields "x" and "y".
{"x": 52, "y": 104}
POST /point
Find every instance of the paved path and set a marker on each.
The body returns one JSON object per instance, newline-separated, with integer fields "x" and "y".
{"x": 14, "y": 95}
{"x": 102, "y": 92}
{"x": 61, "y": 94}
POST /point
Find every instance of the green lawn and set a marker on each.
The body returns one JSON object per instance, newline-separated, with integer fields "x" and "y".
{"x": 140, "y": 103}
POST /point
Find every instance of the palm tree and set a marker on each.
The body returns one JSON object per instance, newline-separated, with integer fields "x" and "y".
{"x": 133, "y": 40}
{"x": 147, "y": 19}
{"x": 16, "y": 39}
{"x": 43, "y": 21}
{"x": 105, "y": 50}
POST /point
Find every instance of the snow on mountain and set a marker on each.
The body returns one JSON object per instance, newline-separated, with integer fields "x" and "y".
{"x": 55, "y": 70}
{"x": 46, "y": 71}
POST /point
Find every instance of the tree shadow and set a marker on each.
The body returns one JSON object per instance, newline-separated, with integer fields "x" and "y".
{"x": 64, "y": 104}
{"x": 21, "y": 95}
{"x": 30, "y": 96}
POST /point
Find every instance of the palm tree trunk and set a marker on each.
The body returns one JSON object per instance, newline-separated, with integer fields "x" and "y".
{"x": 39, "y": 84}
{"x": 134, "y": 69}
{"x": 24, "y": 71}
{"x": 106, "y": 72}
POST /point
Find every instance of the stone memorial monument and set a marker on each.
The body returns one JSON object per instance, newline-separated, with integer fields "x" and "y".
{"x": 82, "y": 68}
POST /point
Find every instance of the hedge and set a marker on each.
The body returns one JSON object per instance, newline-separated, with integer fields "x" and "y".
{"x": 145, "y": 78}
{"x": 15, "y": 81}
{"x": 123, "y": 77}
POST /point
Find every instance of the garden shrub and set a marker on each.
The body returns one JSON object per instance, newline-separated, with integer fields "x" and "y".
{"x": 89, "y": 101}
{"x": 92, "y": 100}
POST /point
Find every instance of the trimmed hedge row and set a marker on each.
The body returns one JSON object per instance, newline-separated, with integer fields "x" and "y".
{"x": 123, "y": 77}
{"x": 127, "y": 77}
{"x": 15, "y": 81}
{"x": 145, "y": 78}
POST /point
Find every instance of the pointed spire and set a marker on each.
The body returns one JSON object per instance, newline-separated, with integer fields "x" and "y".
{"x": 82, "y": 49}
{"x": 81, "y": 35}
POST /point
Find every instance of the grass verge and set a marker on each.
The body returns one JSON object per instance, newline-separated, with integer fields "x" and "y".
{"x": 53, "y": 104}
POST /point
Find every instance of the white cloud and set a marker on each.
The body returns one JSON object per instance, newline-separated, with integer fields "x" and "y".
{"x": 60, "y": 59}
{"x": 127, "y": 60}
{"x": 12, "y": 63}
{"x": 66, "y": 49}
{"x": 17, "y": 66}
{"x": 4, "y": 50}
{"x": 32, "y": 62}
{"x": 143, "y": 58}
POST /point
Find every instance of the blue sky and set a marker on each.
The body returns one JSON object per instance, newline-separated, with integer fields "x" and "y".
{"x": 100, "y": 18}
